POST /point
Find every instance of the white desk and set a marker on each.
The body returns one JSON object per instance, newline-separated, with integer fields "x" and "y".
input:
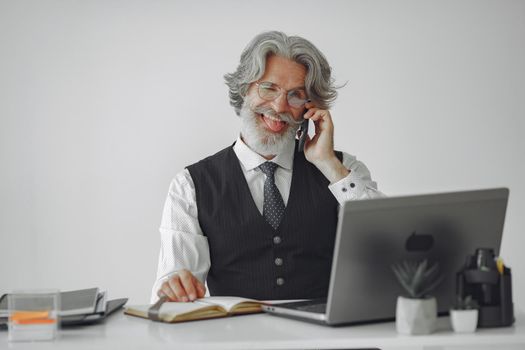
{"x": 263, "y": 331}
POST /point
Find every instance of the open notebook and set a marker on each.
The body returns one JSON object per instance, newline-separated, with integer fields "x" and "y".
{"x": 204, "y": 308}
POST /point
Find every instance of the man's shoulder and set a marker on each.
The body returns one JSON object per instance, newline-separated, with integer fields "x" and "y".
{"x": 216, "y": 158}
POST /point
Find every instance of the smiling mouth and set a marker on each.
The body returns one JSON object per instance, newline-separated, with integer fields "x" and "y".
{"x": 274, "y": 124}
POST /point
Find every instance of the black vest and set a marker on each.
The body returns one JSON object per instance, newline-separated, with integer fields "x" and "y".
{"x": 244, "y": 248}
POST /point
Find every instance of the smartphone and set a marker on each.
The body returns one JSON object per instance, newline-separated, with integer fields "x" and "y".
{"x": 303, "y": 134}
{"x": 303, "y": 130}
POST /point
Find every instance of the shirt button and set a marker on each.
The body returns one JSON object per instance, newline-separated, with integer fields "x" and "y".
{"x": 344, "y": 189}
{"x": 278, "y": 261}
{"x": 280, "y": 281}
{"x": 277, "y": 240}
{"x": 352, "y": 185}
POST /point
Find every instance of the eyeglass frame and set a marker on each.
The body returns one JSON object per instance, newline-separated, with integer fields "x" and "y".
{"x": 281, "y": 90}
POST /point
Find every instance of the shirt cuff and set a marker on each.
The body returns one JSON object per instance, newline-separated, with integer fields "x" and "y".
{"x": 348, "y": 188}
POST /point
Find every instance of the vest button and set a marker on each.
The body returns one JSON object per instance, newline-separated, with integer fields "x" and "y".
{"x": 278, "y": 261}
{"x": 277, "y": 240}
{"x": 279, "y": 281}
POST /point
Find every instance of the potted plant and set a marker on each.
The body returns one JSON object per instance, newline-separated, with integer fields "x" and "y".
{"x": 417, "y": 312}
{"x": 464, "y": 315}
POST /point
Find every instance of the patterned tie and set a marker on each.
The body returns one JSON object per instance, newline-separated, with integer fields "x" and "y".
{"x": 273, "y": 206}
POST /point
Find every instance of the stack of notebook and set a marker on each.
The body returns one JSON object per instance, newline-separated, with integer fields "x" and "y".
{"x": 83, "y": 306}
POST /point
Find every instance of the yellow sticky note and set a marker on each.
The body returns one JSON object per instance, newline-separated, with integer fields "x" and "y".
{"x": 500, "y": 266}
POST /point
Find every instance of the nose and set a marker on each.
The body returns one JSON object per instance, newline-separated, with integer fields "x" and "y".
{"x": 280, "y": 104}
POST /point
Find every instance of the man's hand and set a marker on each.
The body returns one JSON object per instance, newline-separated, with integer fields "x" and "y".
{"x": 320, "y": 150}
{"x": 182, "y": 286}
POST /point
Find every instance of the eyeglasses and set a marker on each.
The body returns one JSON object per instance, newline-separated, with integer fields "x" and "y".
{"x": 269, "y": 91}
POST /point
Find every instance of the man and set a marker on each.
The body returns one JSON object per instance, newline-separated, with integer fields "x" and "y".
{"x": 258, "y": 219}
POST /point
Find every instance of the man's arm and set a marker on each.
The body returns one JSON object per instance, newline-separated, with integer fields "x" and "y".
{"x": 184, "y": 258}
{"x": 349, "y": 179}
{"x": 319, "y": 150}
{"x": 357, "y": 184}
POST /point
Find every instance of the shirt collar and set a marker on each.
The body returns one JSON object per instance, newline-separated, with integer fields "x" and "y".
{"x": 251, "y": 160}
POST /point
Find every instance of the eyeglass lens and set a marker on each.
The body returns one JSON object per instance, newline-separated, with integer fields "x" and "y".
{"x": 269, "y": 92}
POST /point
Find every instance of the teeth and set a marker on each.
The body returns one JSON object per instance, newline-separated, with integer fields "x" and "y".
{"x": 272, "y": 118}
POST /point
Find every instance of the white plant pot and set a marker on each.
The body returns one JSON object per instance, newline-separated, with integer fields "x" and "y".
{"x": 416, "y": 316}
{"x": 464, "y": 321}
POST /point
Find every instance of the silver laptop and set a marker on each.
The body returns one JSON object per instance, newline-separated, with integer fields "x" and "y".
{"x": 373, "y": 234}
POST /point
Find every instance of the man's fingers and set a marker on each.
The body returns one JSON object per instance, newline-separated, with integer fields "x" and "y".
{"x": 309, "y": 104}
{"x": 166, "y": 290}
{"x": 320, "y": 114}
{"x": 186, "y": 280}
{"x": 177, "y": 288}
{"x": 182, "y": 286}
{"x": 201, "y": 289}
{"x": 310, "y": 112}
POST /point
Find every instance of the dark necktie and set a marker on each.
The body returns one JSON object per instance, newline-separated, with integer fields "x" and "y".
{"x": 273, "y": 206}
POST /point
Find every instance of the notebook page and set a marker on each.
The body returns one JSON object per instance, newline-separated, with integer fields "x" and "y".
{"x": 226, "y": 302}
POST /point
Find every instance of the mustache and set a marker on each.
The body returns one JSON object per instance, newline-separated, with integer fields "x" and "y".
{"x": 286, "y": 117}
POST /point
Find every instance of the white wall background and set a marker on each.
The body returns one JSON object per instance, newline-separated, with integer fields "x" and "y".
{"x": 102, "y": 102}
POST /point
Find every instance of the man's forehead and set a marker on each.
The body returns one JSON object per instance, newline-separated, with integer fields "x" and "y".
{"x": 284, "y": 72}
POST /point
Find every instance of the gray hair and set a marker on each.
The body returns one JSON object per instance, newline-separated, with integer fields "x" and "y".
{"x": 319, "y": 83}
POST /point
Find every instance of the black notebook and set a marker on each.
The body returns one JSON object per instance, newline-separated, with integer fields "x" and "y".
{"x": 83, "y": 306}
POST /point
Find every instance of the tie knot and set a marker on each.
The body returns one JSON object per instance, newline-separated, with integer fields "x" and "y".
{"x": 268, "y": 168}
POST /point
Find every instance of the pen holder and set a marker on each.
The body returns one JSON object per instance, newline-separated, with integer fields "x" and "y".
{"x": 33, "y": 315}
{"x": 490, "y": 287}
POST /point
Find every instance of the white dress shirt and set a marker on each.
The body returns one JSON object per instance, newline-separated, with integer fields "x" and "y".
{"x": 183, "y": 244}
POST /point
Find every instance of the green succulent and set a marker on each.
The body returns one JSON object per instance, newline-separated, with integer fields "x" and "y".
{"x": 417, "y": 278}
{"x": 466, "y": 303}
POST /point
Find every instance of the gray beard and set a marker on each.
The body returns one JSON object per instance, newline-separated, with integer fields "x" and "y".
{"x": 259, "y": 139}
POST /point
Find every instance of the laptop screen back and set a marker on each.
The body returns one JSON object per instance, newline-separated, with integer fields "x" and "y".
{"x": 374, "y": 234}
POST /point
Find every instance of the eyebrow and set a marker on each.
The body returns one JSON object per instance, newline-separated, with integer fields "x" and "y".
{"x": 292, "y": 89}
